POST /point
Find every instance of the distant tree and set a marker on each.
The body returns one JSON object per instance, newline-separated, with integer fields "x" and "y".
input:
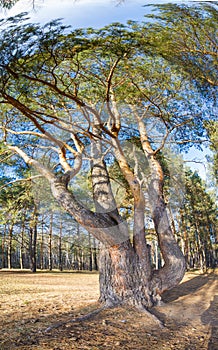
{"x": 14, "y": 202}
{"x": 212, "y": 129}
{"x": 199, "y": 224}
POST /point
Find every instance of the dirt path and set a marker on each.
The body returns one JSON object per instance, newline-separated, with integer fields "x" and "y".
{"x": 30, "y": 303}
{"x": 191, "y": 311}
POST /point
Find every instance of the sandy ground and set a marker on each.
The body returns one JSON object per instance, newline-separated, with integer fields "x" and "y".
{"x": 31, "y": 305}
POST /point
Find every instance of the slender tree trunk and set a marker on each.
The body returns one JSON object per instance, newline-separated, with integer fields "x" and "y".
{"x": 68, "y": 264}
{"x": 22, "y": 246}
{"x": 212, "y": 259}
{"x": 186, "y": 239}
{"x": 50, "y": 258}
{"x": 200, "y": 247}
{"x": 95, "y": 259}
{"x": 10, "y": 238}
{"x": 33, "y": 241}
{"x": 90, "y": 253}
{"x": 80, "y": 258}
{"x": 34, "y": 247}
{"x": 60, "y": 259}
{"x": 42, "y": 245}
{"x": 3, "y": 246}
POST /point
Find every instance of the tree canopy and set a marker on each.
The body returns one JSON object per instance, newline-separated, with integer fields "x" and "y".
{"x": 186, "y": 36}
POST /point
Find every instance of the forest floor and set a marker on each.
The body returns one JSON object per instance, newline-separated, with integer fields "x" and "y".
{"x": 32, "y": 304}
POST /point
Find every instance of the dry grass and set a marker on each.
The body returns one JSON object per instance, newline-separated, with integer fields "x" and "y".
{"x": 30, "y": 303}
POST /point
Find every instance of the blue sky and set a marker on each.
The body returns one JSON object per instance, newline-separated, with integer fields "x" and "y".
{"x": 84, "y": 13}
{"x": 95, "y": 13}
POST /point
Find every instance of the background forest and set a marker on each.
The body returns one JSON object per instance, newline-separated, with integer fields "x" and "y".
{"x": 36, "y": 234}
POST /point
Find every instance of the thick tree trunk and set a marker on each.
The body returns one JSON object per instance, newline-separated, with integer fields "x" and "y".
{"x": 123, "y": 279}
{"x": 125, "y": 272}
{"x": 124, "y": 267}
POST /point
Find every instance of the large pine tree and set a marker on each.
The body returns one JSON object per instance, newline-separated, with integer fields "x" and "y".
{"x": 73, "y": 102}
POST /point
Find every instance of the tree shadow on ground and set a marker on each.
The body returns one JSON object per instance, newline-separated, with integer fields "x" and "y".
{"x": 119, "y": 328}
{"x": 187, "y": 287}
{"x": 122, "y": 328}
{"x": 210, "y": 316}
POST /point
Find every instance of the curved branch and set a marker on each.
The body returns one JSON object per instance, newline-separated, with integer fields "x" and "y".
{"x": 101, "y": 225}
{"x": 32, "y": 162}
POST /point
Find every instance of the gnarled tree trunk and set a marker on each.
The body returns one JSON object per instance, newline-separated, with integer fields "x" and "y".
{"x": 122, "y": 277}
{"x": 126, "y": 276}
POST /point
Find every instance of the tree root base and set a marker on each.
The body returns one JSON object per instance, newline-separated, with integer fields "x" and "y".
{"x": 79, "y": 319}
{"x": 151, "y": 316}
{"x": 106, "y": 306}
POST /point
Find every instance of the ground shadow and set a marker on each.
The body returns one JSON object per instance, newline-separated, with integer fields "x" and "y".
{"x": 187, "y": 287}
{"x": 113, "y": 328}
{"x": 110, "y": 329}
{"x": 210, "y": 317}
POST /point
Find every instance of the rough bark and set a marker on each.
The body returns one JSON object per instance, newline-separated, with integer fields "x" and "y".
{"x": 100, "y": 225}
{"x": 124, "y": 268}
{"x": 174, "y": 262}
{"x": 122, "y": 277}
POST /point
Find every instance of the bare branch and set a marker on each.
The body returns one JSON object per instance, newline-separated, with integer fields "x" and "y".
{"x": 32, "y": 162}
{"x": 21, "y": 180}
